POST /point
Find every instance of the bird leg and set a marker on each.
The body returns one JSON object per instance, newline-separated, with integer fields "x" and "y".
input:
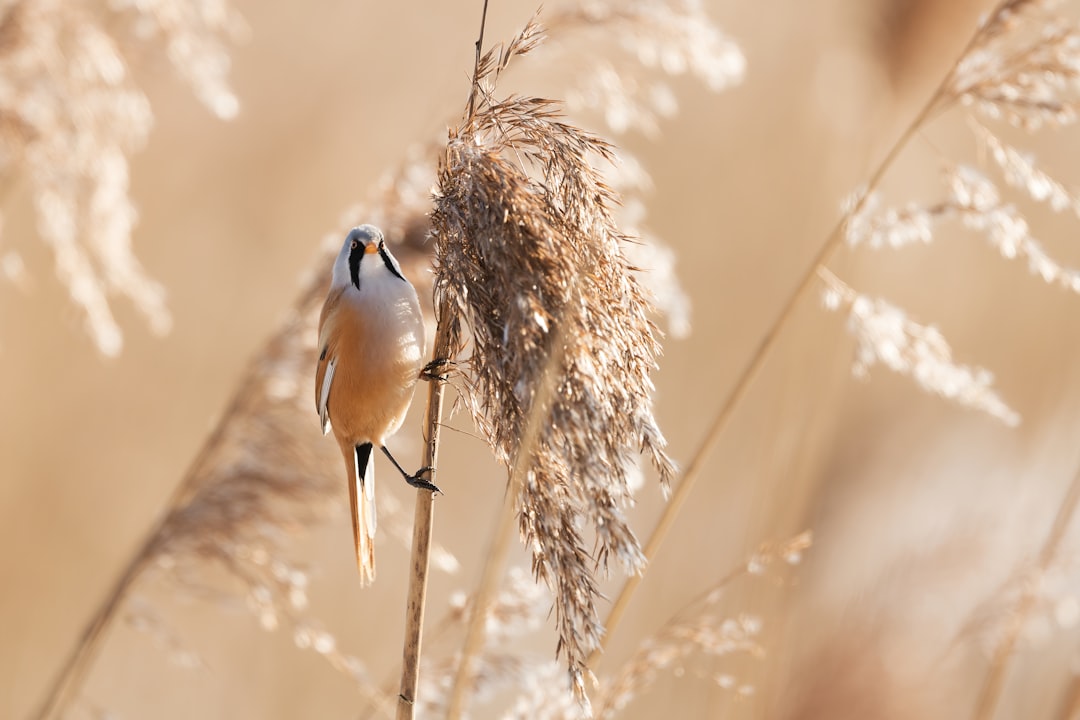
{"x": 415, "y": 479}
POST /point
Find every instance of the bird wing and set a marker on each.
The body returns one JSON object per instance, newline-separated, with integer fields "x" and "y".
{"x": 324, "y": 371}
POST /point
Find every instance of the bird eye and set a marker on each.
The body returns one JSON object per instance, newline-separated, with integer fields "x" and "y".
{"x": 353, "y": 246}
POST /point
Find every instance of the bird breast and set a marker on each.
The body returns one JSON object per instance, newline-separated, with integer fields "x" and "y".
{"x": 379, "y": 335}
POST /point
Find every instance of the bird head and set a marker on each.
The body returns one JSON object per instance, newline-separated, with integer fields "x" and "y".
{"x": 364, "y": 254}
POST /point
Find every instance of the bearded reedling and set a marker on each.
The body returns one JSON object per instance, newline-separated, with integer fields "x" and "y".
{"x": 371, "y": 349}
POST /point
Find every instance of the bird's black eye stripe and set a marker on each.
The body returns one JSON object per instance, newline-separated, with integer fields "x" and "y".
{"x": 389, "y": 263}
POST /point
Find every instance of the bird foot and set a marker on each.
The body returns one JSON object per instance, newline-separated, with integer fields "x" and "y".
{"x": 418, "y": 482}
{"x": 435, "y": 370}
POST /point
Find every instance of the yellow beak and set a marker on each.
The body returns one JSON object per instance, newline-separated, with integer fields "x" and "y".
{"x": 371, "y": 248}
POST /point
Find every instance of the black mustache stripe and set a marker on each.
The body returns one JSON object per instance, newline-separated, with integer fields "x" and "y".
{"x": 389, "y": 263}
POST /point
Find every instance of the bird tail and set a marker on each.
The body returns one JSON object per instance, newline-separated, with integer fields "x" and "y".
{"x": 362, "y": 501}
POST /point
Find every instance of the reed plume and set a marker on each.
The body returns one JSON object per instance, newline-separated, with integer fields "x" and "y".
{"x": 534, "y": 270}
{"x": 260, "y": 476}
{"x": 701, "y": 628}
{"x": 1019, "y": 65}
{"x": 579, "y": 325}
{"x": 72, "y": 115}
{"x": 529, "y": 270}
{"x": 1021, "y": 68}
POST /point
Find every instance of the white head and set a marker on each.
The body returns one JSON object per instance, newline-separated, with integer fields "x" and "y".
{"x": 364, "y": 255}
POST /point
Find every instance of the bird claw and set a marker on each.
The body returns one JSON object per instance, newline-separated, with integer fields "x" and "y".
{"x": 435, "y": 370}
{"x": 417, "y": 482}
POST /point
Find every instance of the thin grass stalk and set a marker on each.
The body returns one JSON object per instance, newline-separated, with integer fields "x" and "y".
{"x": 422, "y": 527}
{"x": 761, "y": 353}
{"x": 473, "y": 645}
{"x": 414, "y": 617}
{"x": 500, "y": 545}
{"x": 994, "y": 684}
{"x": 606, "y": 699}
{"x": 69, "y": 680}
{"x": 476, "y": 63}
{"x": 633, "y": 678}
{"x": 71, "y": 677}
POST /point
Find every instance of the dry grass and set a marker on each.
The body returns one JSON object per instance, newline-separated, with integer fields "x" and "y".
{"x": 72, "y": 116}
{"x": 528, "y": 264}
{"x": 548, "y": 331}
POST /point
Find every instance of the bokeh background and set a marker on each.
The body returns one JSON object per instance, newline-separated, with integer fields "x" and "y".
{"x": 923, "y": 513}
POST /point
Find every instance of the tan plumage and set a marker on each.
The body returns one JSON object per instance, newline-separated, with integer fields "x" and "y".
{"x": 371, "y": 348}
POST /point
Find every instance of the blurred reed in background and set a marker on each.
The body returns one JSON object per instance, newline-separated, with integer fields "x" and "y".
{"x": 547, "y": 271}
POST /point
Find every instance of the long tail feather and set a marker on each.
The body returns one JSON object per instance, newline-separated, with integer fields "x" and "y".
{"x": 362, "y": 502}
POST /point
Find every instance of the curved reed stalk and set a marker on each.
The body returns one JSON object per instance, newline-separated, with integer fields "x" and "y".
{"x": 935, "y": 104}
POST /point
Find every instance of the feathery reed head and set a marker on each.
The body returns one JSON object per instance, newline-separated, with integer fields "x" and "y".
{"x": 263, "y": 473}
{"x": 529, "y": 267}
{"x": 72, "y": 114}
{"x": 1023, "y": 67}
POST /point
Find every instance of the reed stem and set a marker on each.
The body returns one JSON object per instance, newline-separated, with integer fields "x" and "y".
{"x": 422, "y": 529}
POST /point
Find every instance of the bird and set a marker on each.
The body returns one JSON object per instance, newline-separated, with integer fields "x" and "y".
{"x": 371, "y": 349}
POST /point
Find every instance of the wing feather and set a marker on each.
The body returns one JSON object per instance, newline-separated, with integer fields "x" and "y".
{"x": 324, "y": 371}
{"x": 324, "y": 394}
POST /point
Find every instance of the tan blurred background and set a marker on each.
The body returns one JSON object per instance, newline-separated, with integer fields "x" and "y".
{"x": 920, "y": 509}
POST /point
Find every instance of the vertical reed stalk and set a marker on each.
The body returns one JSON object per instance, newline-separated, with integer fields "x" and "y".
{"x": 482, "y": 601}
{"x": 414, "y": 619}
{"x": 485, "y": 595}
{"x": 422, "y": 526}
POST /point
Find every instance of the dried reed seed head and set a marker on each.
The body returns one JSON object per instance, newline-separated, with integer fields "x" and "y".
{"x": 663, "y": 39}
{"x": 676, "y": 646}
{"x": 1024, "y": 67}
{"x": 261, "y": 476}
{"x": 1021, "y": 172}
{"x": 264, "y": 473}
{"x": 1049, "y": 589}
{"x": 193, "y": 34}
{"x": 541, "y": 696}
{"x": 529, "y": 266}
{"x": 621, "y": 56}
{"x": 977, "y": 203}
{"x": 72, "y": 114}
{"x": 699, "y": 630}
{"x": 263, "y": 470}
{"x": 504, "y": 663}
{"x": 884, "y": 334}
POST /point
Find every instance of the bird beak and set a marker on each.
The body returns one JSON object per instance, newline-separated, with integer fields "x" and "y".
{"x": 371, "y": 248}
